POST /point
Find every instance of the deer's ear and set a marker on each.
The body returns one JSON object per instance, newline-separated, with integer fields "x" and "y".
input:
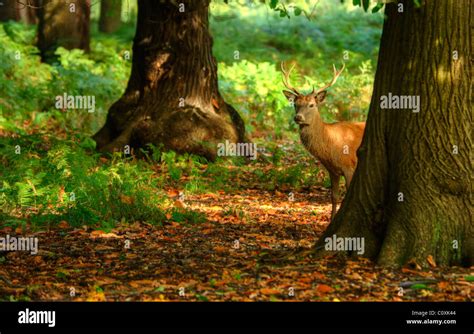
{"x": 320, "y": 96}
{"x": 289, "y": 95}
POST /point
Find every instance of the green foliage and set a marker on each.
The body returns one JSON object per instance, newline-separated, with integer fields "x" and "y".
{"x": 420, "y": 286}
{"x": 285, "y": 10}
{"x": 377, "y": 5}
{"x": 54, "y": 180}
{"x": 250, "y": 76}
{"x": 58, "y": 176}
{"x": 243, "y": 79}
{"x": 20, "y": 61}
{"x": 189, "y": 216}
{"x": 30, "y": 87}
{"x": 169, "y": 159}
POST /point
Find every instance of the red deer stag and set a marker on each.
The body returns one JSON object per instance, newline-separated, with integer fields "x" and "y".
{"x": 334, "y": 144}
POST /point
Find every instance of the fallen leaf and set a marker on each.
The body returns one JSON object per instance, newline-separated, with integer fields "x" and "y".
{"x": 102, "y": 234}
{"x": 443, "y": 285}
{"x": 355, "y": 276}
{"x": 270, "y": 291}
{"x": 319, "y": 276}
{"x": 104, "y": 280}
{"x": 142, "y": 283}
{"x": 126, "y": 199}
{"x": 96, "y": 296}
{"x": 179, "y": 204}
{"x": 221, "y": 249}
{"x": 323, "y": 288}
{"x": 172, "y": 192}
{"x": 63, "y": 224}
{"x": 431, "y": 261}
{"x": 61, "y": 194}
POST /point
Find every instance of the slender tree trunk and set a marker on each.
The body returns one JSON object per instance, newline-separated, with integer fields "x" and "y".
{"x": 110, "y": 13}
{"x": 16, "y": 10}
{"x": 63, "y": 23}
{"x": 172, "y": 96}
{"x": 8, "y": 10}
{"x": 411, "y": 195}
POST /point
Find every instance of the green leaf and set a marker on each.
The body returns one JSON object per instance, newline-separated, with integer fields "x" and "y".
{"x": 356, "y": 2}
{"x": 377, "y": 7}
{"x": 202, "y": 298}
{"x": 273, "y": 4}
{"x": 366, "y": 4}
{"x": 469, "y": 278}
{"x": 61, "y": 274}
{"x": 88, "y": 143}
{"x": 297, "y": 11}
{"x": 419, "y": 286}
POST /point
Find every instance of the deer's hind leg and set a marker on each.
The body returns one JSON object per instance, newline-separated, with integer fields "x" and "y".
{"x": 334, "y": 193}
{"x": 348, "y": 178}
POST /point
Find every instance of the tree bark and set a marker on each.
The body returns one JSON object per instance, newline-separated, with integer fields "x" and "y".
{"x": 110, "y": 14}
{"x": 424, "y": 157}
{"x": 172, "y": 96}
{"x": 63, "y": 24}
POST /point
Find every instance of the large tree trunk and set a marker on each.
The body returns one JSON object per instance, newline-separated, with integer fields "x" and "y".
{"x": 424, "y": 157}
{"x": 110, "y": 14}
{"x": 63, "y": 24}
{"x": 18, "y": 10}
{"x": 172, "y": 96}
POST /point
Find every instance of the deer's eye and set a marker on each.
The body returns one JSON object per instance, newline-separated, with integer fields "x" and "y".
{"x": 311, "y": 105}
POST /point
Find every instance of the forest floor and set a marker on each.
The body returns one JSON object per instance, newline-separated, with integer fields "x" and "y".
{"x": 227, "y": 258}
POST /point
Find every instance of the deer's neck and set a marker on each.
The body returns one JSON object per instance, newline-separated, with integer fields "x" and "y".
{"x": 314, "y": 137}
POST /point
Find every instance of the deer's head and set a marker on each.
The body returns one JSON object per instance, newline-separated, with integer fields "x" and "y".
{"x": 306, "y": 105}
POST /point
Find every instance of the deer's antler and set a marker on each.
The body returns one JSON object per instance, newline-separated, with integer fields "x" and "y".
{"x": 334, "y": 78}
{"x": 286, "y": 79}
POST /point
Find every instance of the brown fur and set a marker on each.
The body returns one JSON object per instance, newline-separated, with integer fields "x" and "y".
{"x": 334, "y": 144}
{"x": 326, "y": 142}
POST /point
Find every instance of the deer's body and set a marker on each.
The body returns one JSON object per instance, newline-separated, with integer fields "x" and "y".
{"x": 333, "y": 144}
